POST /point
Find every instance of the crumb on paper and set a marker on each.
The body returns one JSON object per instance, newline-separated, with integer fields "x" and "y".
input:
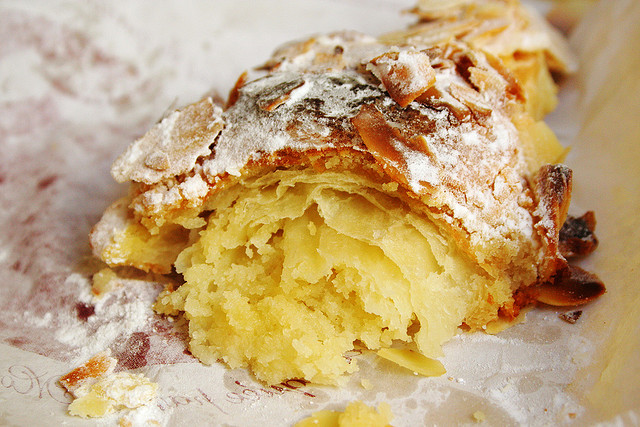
{"x": 104, "y": 281}
{"x": 114, "y": 392}
{"x": 97, "y": 391}
{"x": 571, "y": 316}
{"x": 366, "y": 384}
{"x": 496, "y": 326}
{"x": 126, "y": 422}
{"x": 356, "y": 414}
{"x": 100, "y": 365}
{"x": 479, "y": 416}
{"x": 416, "y": 362}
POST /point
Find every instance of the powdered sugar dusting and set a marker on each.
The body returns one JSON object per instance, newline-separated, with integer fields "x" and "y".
{"x": 511, "y": 370}
{"x": 420, "y": 169}
{"x": 251, "y": 132}
{"x": 113, "y": 318}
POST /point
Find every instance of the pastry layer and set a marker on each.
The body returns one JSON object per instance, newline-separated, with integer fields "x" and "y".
{"x": 298, "y": 266}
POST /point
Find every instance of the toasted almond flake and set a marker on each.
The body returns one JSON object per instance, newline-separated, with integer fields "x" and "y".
{"x": 575, "y": 286}
{"x": 405, "y": 75}
{"x": 381, "y": 139}
{"x": 413, "y": 361}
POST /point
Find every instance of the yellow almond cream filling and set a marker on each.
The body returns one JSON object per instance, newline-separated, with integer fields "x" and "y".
{"x": 298, "y": 266}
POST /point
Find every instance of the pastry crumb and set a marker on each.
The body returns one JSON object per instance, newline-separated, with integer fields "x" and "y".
{"x": 479, "y": 416}
{"x": 571, "y": 316}
{"x": 98, "y": 392}
{"x": 366, "y": 384}
{"x": 100, "y": 365}
{"x": 104, "y": 281}
{"x": 356, "y": 414}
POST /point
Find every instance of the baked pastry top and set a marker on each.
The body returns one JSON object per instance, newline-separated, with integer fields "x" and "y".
{"x": 350, "y": 191}
{"x": 527, "y": 45}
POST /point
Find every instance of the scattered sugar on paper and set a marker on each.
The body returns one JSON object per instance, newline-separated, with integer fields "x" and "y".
{"x": 511, "y": 370}
{"x": 117, "y": 314}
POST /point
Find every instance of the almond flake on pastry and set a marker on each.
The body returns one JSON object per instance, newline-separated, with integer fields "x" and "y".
{"x": 523, "y": 40}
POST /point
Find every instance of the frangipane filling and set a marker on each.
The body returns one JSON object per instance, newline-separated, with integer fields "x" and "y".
{"x": 298, "y": 266}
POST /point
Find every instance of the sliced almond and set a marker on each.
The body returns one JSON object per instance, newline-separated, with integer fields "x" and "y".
{"x": 280, "y": 95}
{"x": 470, "y": 98}
{"x": 413, "y": 361}
{"x": 574, "y": 287}
{"x": 405, "y": 75}
{"x": 381, "y": 139}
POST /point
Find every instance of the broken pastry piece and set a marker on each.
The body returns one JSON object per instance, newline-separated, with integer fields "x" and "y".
{"x": 100, "y": 365}
{"x": 349, "y": 192}
{"x": 356, "y": 414}
{"x": 98, "y": 391}
{"x": 527, "y": 45}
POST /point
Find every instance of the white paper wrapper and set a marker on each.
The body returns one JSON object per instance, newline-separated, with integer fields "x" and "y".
{"x": 80, "y": 80}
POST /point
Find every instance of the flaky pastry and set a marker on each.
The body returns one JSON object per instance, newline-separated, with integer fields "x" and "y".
{"x": 350, "y": 192}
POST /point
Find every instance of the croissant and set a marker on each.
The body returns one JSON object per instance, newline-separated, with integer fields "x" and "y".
{"x": 350, "y": 192}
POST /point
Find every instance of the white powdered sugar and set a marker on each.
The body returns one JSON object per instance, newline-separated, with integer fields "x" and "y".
{"x": 511, "y": 375}
{"x": 252, "y": 132}
{"x": 117, "y": 315}
{"x": 420, "y": 169}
